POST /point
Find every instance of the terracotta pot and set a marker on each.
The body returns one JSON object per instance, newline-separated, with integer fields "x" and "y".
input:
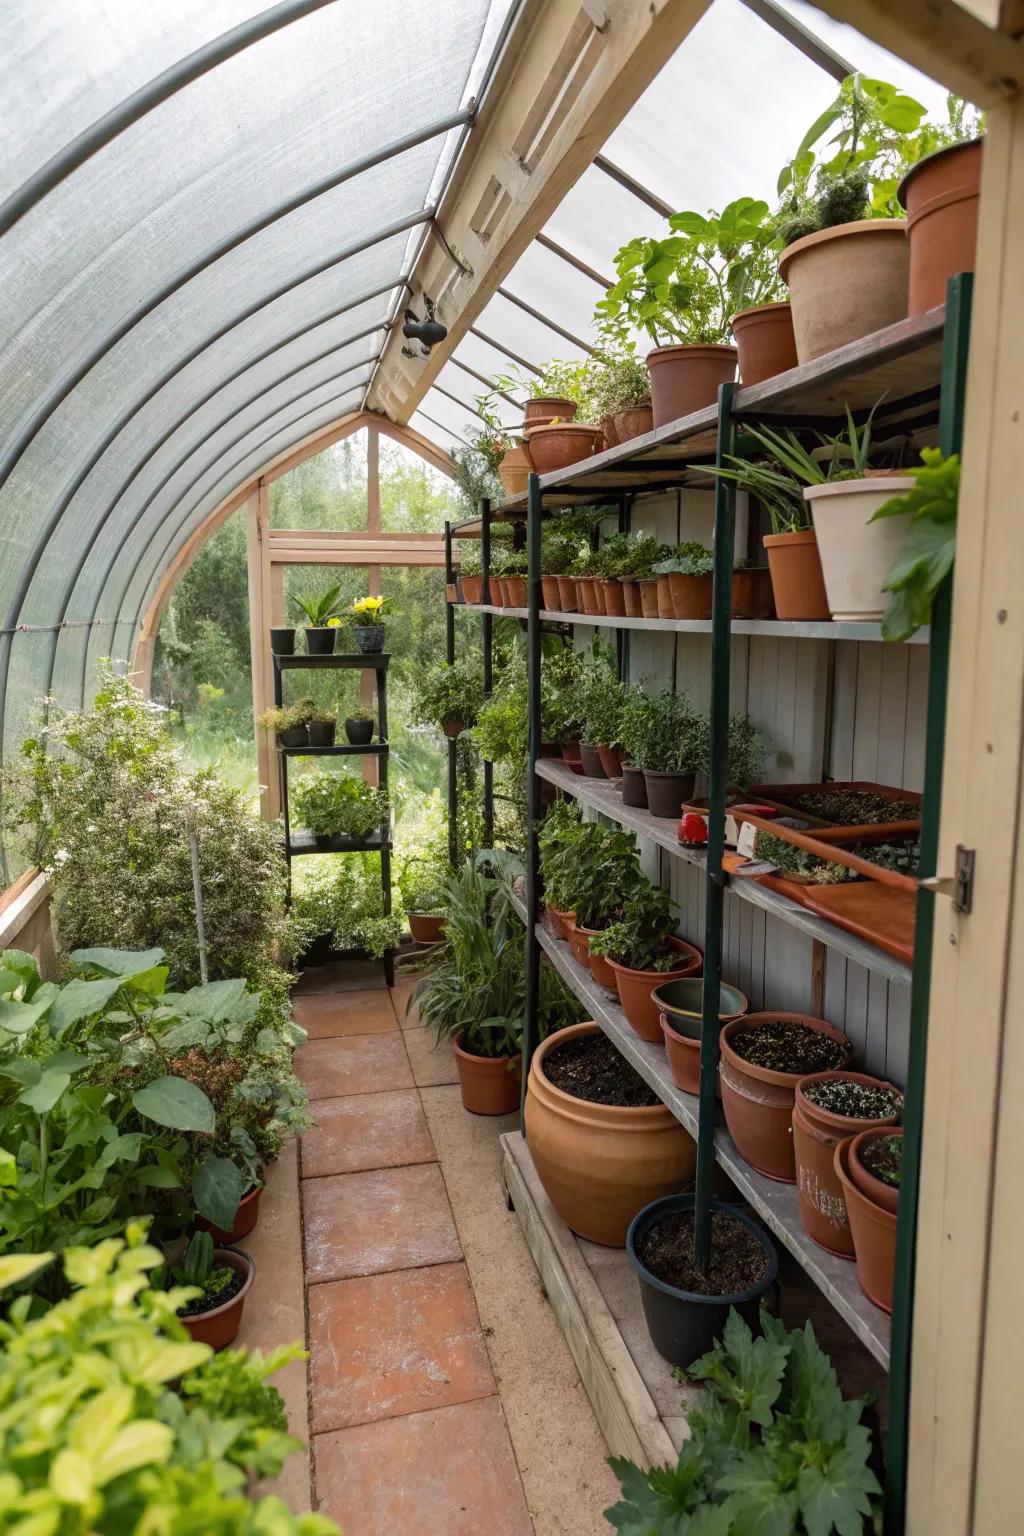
{"x": 593, "y": 767}
{"x": 562, "y": 921}
{"x": 246, "y": 1217}
{"x": 567, "y": 599}
{"x": 685, "y": 379}
{"x": 585, "y": 599}
{"x": 545, "y": 407}
{"x": 489, "y": 1085}
{"x": 667, "y": 792}
{"x": 426, "y": 927}
{"x": 758, "y": 1103}
{"x": 681, "y": 1026}
{"x": 219, "y": 1327}
{"x": 846, "y": 282}
{"x": 797, "y": 582}
{"x": 765, "y": 341}
{"x": 611, "y": 760}
{"x": 600, "y": 968}
{"x": 816, "y": 1134}
{"x": 579, "y": 943}
{"x": 550, "y": 595}
{"x": 451, "y": 592}
{"x": 648, "y": 597}
{"x": 600, "y": 1164}
{"x": 637, "y": 421}
{"x": 691, "y": 595}
{"x": 608, "y": 431}
{"x": 873, "y": 1230}
{"x": 631, "y": 597}
{"x": 613, "y": 598}
{"x": 555, "y": 448}
{"x": 598, "y": 585}
{"x": 452, "y": 727}
{"x": 515, "y": 591}
{"x": 635, "y": 988}
{"x": 872, "y": 1188}
{"x": 940, "y": 194}
{"x": 634, "y": 787}
{"x": 857, "y": 554}
{"x": 472, "y": 586}
{"x": 752, "y": 593}
{"x": 664, "y": 591}
{"x": 514, "y": 472}
{"x": 499, "y": 592}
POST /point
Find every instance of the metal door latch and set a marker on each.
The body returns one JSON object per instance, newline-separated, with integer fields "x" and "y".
{"x": 959, "y": 885}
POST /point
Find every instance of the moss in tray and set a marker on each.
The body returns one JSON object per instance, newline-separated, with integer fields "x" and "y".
{"x": 781, "y": 1045}
{"x": 857, "y": 1101}
{"x": 884, "y": 1158}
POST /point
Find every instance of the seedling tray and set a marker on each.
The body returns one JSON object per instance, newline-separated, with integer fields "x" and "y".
{"x": 783, "y": 797}
{"x": 881, "y": 914}
{"x": 830, "y": 847}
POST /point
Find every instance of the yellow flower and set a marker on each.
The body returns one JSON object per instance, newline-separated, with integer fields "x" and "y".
{"x": 367, "y": 610}
{"x": 334, "y": 623}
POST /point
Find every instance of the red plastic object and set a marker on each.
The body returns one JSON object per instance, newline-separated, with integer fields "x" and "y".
{"x": 693, "y": 829}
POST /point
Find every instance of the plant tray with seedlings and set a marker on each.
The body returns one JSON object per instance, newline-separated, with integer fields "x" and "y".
{"x": 844, "y": 809}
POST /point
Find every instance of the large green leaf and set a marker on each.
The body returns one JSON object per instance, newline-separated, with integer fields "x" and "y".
{"x": 19, "y": 1018}
{"x": 117, "y": 962}
{"x": 81, "y": 1000}
{"x": 835, "y": 1492}
{"x": 17, "y": 1267}
{"x": 43, "y": 1095}
{"x": 217, "y": 1189}
{"x": 176, "y": 1103}
{"x": 24, "y": 967}
{"x": 214, "y": 1002}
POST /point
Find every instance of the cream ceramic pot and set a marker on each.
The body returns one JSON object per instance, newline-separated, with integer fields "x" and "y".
{"x": 857, "y": 554}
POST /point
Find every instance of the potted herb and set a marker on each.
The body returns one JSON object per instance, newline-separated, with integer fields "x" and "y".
{"x": 288, "y": 725}
{"x": 669, "y": 742}
{"x": 221, "y": 1278}
{"x": 558, "y": 550}
{"x": 322, "y": 622}
{"x": 584, "y": 571}
{"x": 341, "y": 805}
{"x": 359, "y": 727}
{"x": 685, "y": 582}
{"x": 828, "y": 1108}
{"x": 636, "y": 573}
{"x": 321, "y": 727}
{"x": 642, "y": 950}
{"x": 341, "y": 908}
{"x": 368, "y": 621}
{"x": 601, "y": 700}
{"x": 422, "y": 883}
{"x": 449, "y": 694}
{"x": 558, "y": 840}
{"x": 282, "y": 640}
{"x": 869, "y": 1168}
{"x": 558, "y": 428}
{"x": 513, "y": 574}
{"x": 470, "y": 570}
{"x": 622, "y": 395}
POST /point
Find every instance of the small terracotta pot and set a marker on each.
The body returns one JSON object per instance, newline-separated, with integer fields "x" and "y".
{"x": 683, "y": 1050}
{"x": 490, "y": 1085}
{"x": 873, "y": 1230}
{"x": 453, "y": 727}
{"x": 219, "y": 1327}
{"x": 872, "y": 1188}
{"x": 648, "y": 596}
{"x": 550, "y": 594}
{"x": 797, "y": 583}
{"x": 613, "y": 598}
{"x": 515, "y": 591}
{"x": 668, "y": 792}
{"x": 558, "y": 447}
{"x": 600, "y": 1163}
{"x": 593, "y": 767}
{"x": 758, "y": 1103}
{"x": 816, "y": 1134}
{"x": 611, "y": 760}
{"x": 752, "y": 593}
{"x": 685, "y": 379}
{"x": 634, "y": 787}
{"x": 631, "y": 598}
{"x": 579, "y": 943}
{"x": 600, "y": 968}
{"x": 846, "y": 282}
{"x": 635, "y": 422}
{"x": 664, "y": 591}
{"x": 940, "y": 194}
{"x": 691, "y": 595}
{"x": 497, "y": 592}
{"x": 544, "y": 407}
{"x": 608, "y": 431}
{"x": 451, "y": 592}
{"x": 426, "y": 927}
{"x": 571, "y": 750}
{"x": 765, "y": 341}
{"x": 514, "y": 471}
{"x": 246, "y": 1217}
{"x": 585, "y": 599}
{"x": 472, "y": 586}
{"x": 598, "y": 586}
{"x": 635, "y": 988}
{"x": 562, "y": 921}
{"x": 567, "y": 599}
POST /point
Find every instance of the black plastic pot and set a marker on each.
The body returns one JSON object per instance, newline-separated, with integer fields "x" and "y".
{"x": 282, "y": 642}
{"x": 359, "y": 732}
{"x": 320, "y": 952}
{"x": 370, "y": 638}
{"x": 320, "y": 640}
{"x": 593, "y": 768}
{"x": 668, "y": 792}
{"x": 634, "y": 787}
{"x": 323, "y": 839}
{"x": 321, "y": 733}
{"x": 682, "y": 1325}
{"x": 294, "y": 736}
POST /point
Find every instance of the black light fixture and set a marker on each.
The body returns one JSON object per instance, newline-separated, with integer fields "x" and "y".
{"x": 428, "y": 331}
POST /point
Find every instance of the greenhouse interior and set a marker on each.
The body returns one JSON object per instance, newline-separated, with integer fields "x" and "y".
{"x": 503, "y": 724}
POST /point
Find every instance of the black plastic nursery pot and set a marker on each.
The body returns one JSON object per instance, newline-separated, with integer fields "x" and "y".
{"x": 634, "y": 787}
{"x": 593, "y": 767}
{"x": 370, "y": 638}
{"x": 321, "y": 733}
{"x": 294, "y": 736}
{"x": 683, "y": 1325}
{"x": 668, "y": 792}
{"x": 359, "y": 732}
{"x": 320, "y": 639}
{"x": 282, "y": 642}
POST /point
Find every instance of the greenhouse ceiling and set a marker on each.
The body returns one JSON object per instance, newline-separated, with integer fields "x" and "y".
{"x": 212, "y": 216}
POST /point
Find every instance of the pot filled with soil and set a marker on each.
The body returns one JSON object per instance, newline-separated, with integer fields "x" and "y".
{"x": 593, "y": 767}
{"x": 764, "y": 1056}
{"x": 940, "y": 194}
{"x": 680, "y": 1006}
{"x": 686, "y": 1310}
{"x": 603, "y": 1144}
{"x": 765, "y": 341}
{"x": 321, "y": 733}
{"x": 369, "y": 638}
{"x": 637, "y": 421}
{"x": 634, "y": 787}
{"x": 489, "y": 1085}
{"x": 359, "y": 730}
{"x": 846, "y": 282}
{"x": 320, "y": 639}
{"x": 648, "y": 586}
{"x": 876, "y": 1167}
{"x": 667, "y": 792}
{"x": 550, "y": 595}
{"x": 426, "y": 927}
{"x": 828, "y": 1108}
{"x": 613, "y": 599}
{"x": 557, "y": 447}
{"x": 872, "y": 1226}
{"x": 798, "y": 585}
{"x": 514, "y": 471}
{"x": 567, "y": 599}
{"x": 294, "y": 736}
{"x": 282, "y": 641}
{"x": 635, "y": 987}
{"x": 856, "y": 553}
{"x": 611, "y": 760}
{"x": 224, "y": 1277}
{"x": 246, "y": 1217}
{"x": 685, "y": 379}
{"x": 752, "y": 593}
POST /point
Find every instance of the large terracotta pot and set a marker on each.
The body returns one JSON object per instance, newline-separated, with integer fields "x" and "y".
{"x": 601, "y": 1164}
{"x": 685, "y": 379}
{"x": 246, "y": 1217}
{"x": 549, "y": 590}
{"x": 691, "y": 595}
{"x": 631, "y": 597}
{"x": 758, "y": 1103}
{"x": 765, "y": 341}
{"x": 797, "y": 582}
{"x": 608, "y": 431}
{"x": 426, "y": 927}
{"x": 585, "y": 595}
{"x": 846, "y": 282}
{"x": 873, "y": 1229}
{"x": 557, "y": 447}
{"x": 871, "y": 1187}
{"x": 635, "y": 422}
{"x": 816, "y": 1134}
{"x": 613, "y": 598}
{"x": 472, "y": 586}
{"x": 752, "y": 593}
{"x": 219, "y": 1327}
{"x": 567, "y": 599}
{"x": 940, "y": 195}
{"x": 857, "y": 554}
{"x": 635, "y": 989}
{"x": 514, "y": 471}
{"x": 545, "y": 407}
{"x": 490, "y": 1085}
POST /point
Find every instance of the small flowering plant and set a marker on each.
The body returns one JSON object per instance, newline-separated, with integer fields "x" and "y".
{"x": 369, "y": 611}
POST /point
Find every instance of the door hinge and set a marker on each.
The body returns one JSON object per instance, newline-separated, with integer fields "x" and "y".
{"x": 960, "y": 885}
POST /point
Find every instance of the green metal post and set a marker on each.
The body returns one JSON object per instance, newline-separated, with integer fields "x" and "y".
{"x": 721, "y": 607}
{"x": 449, "y": 654}
{"x": 533, "y": 797}
{"x": 955, "y": 342}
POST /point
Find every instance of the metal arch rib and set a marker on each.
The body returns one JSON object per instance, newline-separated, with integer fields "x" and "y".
{"x": 152, "y": 94}
{"x": 37, "y": 418}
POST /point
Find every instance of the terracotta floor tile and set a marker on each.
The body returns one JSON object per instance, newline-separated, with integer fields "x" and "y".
{"x": 432, "y": 1063}
{"x": 366, "y": 1130}
{"x": 394, "y": 1344}
{"x": 400, "y": 994}
{"x": 327, "y": 1015}
{"x": 341, "y": 976}
{"x": 358, "y": 1064}
{"x": 365, "y": 1223}
{"x": 450, "y": 1472}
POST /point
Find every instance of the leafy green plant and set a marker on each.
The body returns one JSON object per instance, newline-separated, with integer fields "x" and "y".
{"x": 470, "y": 561}
{"x": 639, "y": 936}
{"x": 344, "y": 904}
{"x": 200, "y": 1271}
{"x": 664, "y": 734}
{"x": 587, "y": 868}
{"x": 773, "y": 1447}
{"x": 502, "y": 725}
{"x": 621, "y": 382}
{"x": 559, "y": 548}
{"x": 745, "y": 751}
{"x": 448, "y": 691}
{"x": 600, "y": 699}
{"x": 688, "y": 559}
{"x": 339, "y": 804}
{"x": 423, "y": 877}
{"x": 929, "y": 548}
{"x": 319, "y": 607}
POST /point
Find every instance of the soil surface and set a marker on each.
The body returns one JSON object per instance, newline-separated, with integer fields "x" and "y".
{"x": 207, "y": 1304}
{"x": 858, "y": 1101}
{"x": 590, "y": 1068}
{"x": 855, "y": 807}
{"x": 884, "y": 1158}
{"x": 738, "y": 1260}
{"x": 779, "y": 1045}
